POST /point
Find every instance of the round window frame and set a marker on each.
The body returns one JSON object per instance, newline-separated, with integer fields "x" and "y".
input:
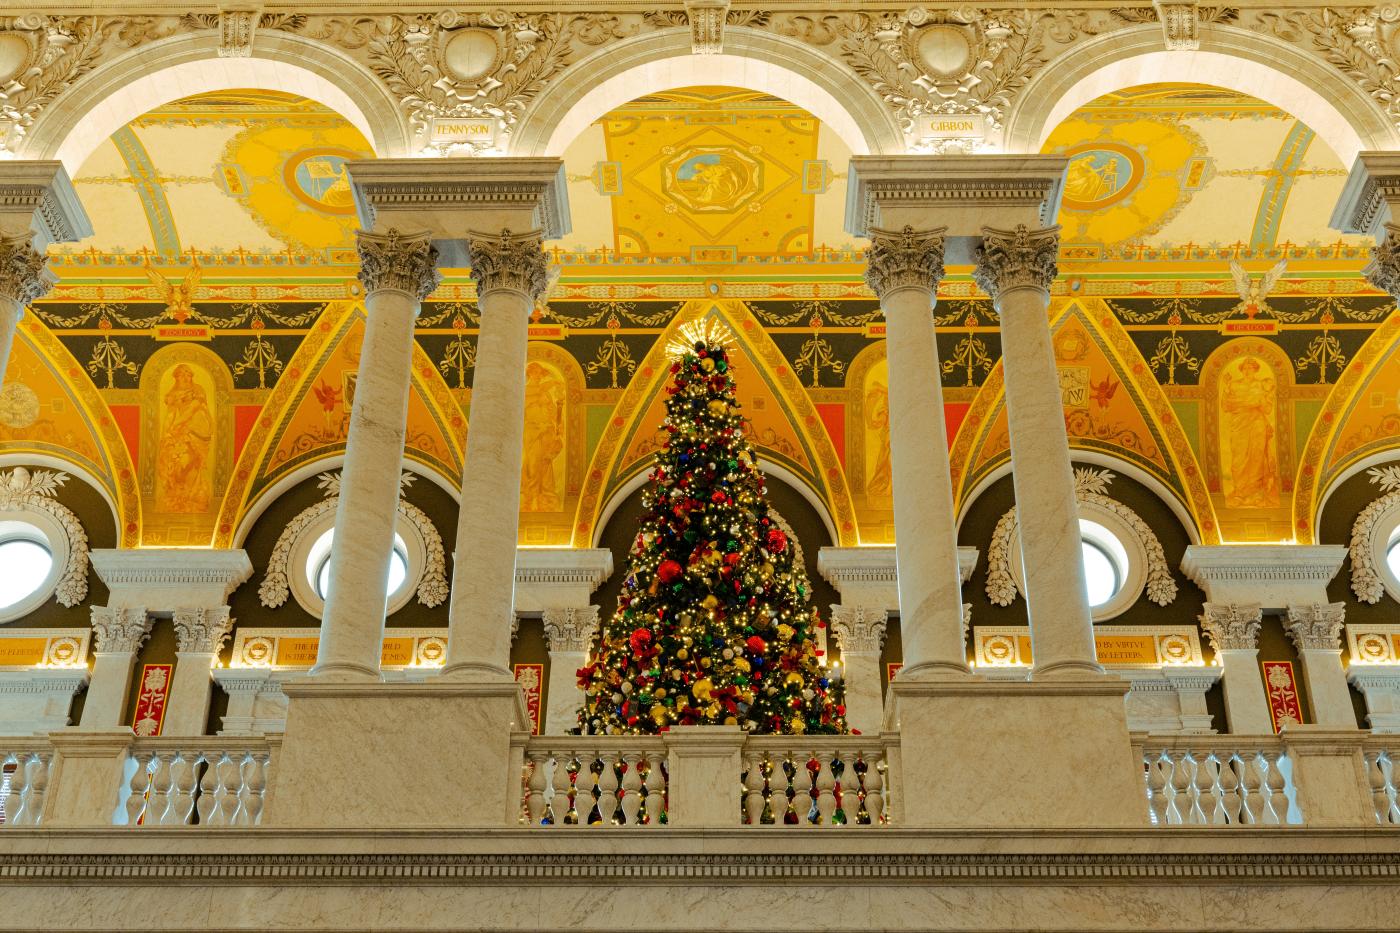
{"x": 304, "y": 591}
{"x": 1134, "y": 575}
{"x": 55, "y": 538}
{"x": 1384, "y": 531}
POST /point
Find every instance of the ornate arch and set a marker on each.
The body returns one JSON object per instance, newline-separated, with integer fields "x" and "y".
{"x": 762, "y": 61}
{"x": 1255, "y": 63}
{"x": 151, "y": 74}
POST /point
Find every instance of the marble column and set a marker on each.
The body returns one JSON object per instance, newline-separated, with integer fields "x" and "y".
{"x": 510, "y": 272}
{"x": 1316, "y": 631}
{"x": 904, "y": 268}
{"x": 200, "y": 634}
{"x": 1233, "y": 631}
{"x": 860, "y": 634}
{"x": 569, "y": 634}
{"x": 398, "y": 270}
{"x": 117, "y": 635}
{"x": 37, "y": 207}
{"x": 1016, "y": 267}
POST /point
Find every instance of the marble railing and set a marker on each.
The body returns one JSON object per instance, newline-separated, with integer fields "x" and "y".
{"x": 776, "y": 780}
{"x": 1383, "y": 775}
{"x": 1212, "y": 780}
{"x": 25, "y": 764}
{"x": 209, "y": 781}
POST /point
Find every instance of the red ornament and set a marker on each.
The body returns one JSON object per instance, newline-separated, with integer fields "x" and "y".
{"x": 756, "y": 644}
{"x": 640, "y": 641}
{"x": 669, "y": 571}
{"x": 776, "y": 542}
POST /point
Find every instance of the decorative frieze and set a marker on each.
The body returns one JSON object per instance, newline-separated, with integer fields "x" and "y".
{"x": 1316, "y": 626}
{"x": 118, "y": 630}
{"x": 1232, "y": 626}
{"x": 905, "y": 258}
{"x": 511, "y": 261}
{"x": 1020, "y": 258}
{"x": 202, "y": 631}
{"x": 24, "y": 271}
{"x": 1270, "y": 575}
{"x": 571, "y": 628}
{"x": 859, "y": 629}
{"x": 392, "y": 260}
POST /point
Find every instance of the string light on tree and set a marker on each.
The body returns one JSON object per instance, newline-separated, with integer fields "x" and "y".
{"x": 713, "y": 625}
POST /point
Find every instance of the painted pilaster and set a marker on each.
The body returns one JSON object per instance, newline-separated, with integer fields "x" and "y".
{"x": 860, "y": 634}
{"x": 117, "y": 635}
{"x": 1316, "y": 630}
{"x": 1016, "y": 267}
{"x": 38, "y": 206}
{"x": 199, "y": 633}
{"x": 569, "y": 634}
{"x": 1233, "y": 630}
{"x": 398, "y": 270}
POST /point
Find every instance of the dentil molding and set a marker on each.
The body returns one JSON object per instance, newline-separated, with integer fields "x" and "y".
{"x": 161, "y": 578}
{"x": 1271, "y": 575}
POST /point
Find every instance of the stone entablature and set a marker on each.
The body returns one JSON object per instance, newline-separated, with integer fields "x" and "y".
{"x": 548, "y": 578}
{"x": 866, "y": 576}
{"x": 165, "y": 579}
{"x": 1271, "y": 576}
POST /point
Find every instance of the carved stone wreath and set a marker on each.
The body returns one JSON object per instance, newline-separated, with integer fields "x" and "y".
{"x": 1090, "y": 486}
{"x": 19, "y": 490}
{"x": 433, "y": 589}
{"x": 1366, "y": 580}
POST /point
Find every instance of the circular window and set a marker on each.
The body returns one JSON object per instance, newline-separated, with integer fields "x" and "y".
{"x": 1115, "y": 561}
{"x": 1392, "y": 554}
{"x": 1105, "y": 563}
{"x": 318, "y": 565}
{"x": 33, "y": 553}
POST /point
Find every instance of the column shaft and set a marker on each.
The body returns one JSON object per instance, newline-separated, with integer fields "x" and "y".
{"x": 510, "y": 273}
{"x": 904, "y": 270}
{"x": 398, "y": 272}
{"x": 1316, "y": 631}
{"x": 1016, "y": 269}
{"x": 199, "y": 633}
{"x": 1233, "y": 631}
{"x": 117, "y": 635}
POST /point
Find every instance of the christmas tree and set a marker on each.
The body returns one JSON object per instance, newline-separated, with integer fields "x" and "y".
{"x": 712, "y": 625}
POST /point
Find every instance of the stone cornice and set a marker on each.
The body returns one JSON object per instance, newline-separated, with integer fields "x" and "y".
{"x": 37, "y": 200}
{"x": 1255, "y": 572}
{"x": 1370, "y": 191}
{"x": 841, "y": 565}
{"x": 566, "y": 566}
{"x": 171, "y": 567}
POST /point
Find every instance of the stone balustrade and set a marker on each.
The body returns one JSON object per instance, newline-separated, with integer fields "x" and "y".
{"x": 815, "y": 781}
{"x": 1217, "y": 781}
{"x": 205, "y": 781}
{"x": 1383, "y": 776}
{"x": 594, "y": 781}
{"x": 25, "y": 765}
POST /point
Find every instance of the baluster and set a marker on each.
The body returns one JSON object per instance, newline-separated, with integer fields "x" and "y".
{"x": 16, "y": 800}
{"x": 1157, "y": 768}
{"x": 1229, "y": 782}
{"x": 158, "y": 804}
{"x": 1180, "y": 810}
{"x": 631, "y": 787}
{"x": 38, "y": 788}
{"x": 182, "y": 772}
{"x": 1393, "y": 808}
{"x": 1275, "y": 801}
{"x": 753, "y": 789}
{"x": 1207, "y": 771}
{"x": 228, "y": 788}
{"x": 802, "y": 787}
{"x": 255, "y": 786}
{"x": 535, "y": 787}
{"x": 780, "y": 787}
{"x": 874, "y": 802}
{"x": 607, "y": 788}
{"x": 580, "y": 795}
{"x": 208, "y": 803}
{"x": 136, "y": 802}
{"x": 1375, "y": 776}
{"x": 826, "y": 783}
{"x": 559, "y": 783}
{"x": 656, "y": 789}
{"x": 1251, "y": 787}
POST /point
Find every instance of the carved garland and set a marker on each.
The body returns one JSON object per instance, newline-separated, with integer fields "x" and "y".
{"x": 20, "y": 489}
{"x": 1090, "y": 486}
{"x": 433, "y": 588}
{"x": 1366, "y": 581}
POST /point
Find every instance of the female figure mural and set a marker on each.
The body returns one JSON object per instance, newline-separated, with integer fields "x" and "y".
{"x": 1249, "y": 456}
{"x": 544, "y": 440}
{"x": 183, "y": 469}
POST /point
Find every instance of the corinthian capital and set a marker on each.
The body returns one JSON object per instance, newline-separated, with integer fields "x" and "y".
{"x": 859, "y": 629}
{"x": 571, "y": 628}
{"x": 905, "y": 258}
{"x": 1383, "y": 271}
{"x": 1232, "y": 625}
{"x": 202, "y": 631}
{"x": 119, "y": 629}
{"x": 513, "y": 261}
{"x": 397, "y": 261}
{"x": 1019, "y": 258}
{"x": 24, "y": 271}
{"x": 1317, "y": 626}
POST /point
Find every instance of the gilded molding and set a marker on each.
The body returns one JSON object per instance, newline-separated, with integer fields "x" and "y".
{"x": 1020, "y": 258}
{"x": 400, "y": 262}
{"x": 570, "y": 628}
{"x": 905, "y": 258}
{"x": 201, "y": 630}
{"x": 1316, "y": 626}
{"x": 1232, "y": 626}
{"x": 117, "y": 630}
{"x": 859, "y": 629}
{"x": 24, "y": 271}
{"x": 510, "y": 261}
